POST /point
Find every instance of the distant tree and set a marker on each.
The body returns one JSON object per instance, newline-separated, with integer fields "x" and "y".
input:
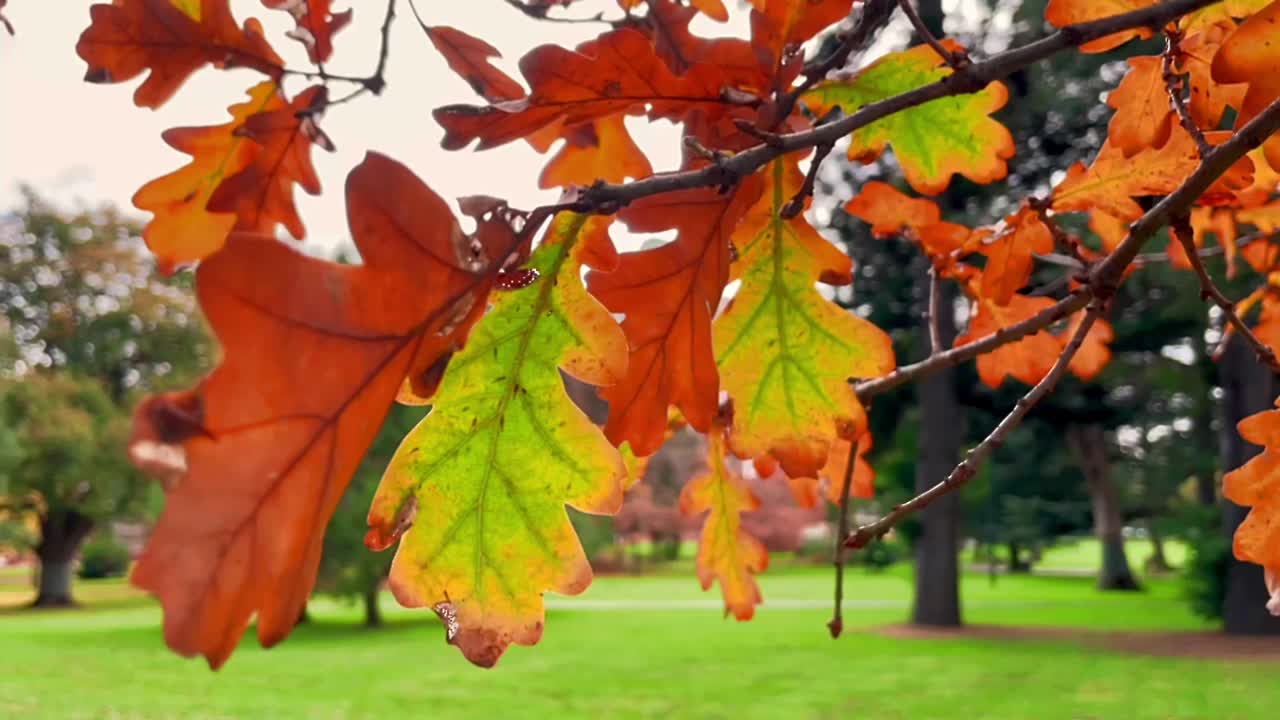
{"x": 86, "y": 324}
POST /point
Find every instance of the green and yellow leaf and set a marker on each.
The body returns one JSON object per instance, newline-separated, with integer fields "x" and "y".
{"x": 490, "y": 470}
{"x": 725, "y": 551}
{"x": 785, "y": 352}
{"x": 932, "y": 141}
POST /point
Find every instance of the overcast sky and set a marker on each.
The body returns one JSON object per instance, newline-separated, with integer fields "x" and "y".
{"x": 88, "y": 144}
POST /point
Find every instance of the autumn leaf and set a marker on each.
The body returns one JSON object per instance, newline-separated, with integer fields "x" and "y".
{"x": 255, "y": 476}
{"x": 1143, "y": 116}
{"x": 1208, "y": 99}
{"x": 1254, "y": 485}
{"x": 932, "y": 141}
{"x": 469, "y": 57}
{"x": 1061, "y": 13}
{"x": 1221, "y": 222}
{"x": 502, "y": 452}
{"x": 1094, "y": 352}
{"x": 668, "y": 295}
{"x": 316, "y": 24}
{"x": 616, "y": 73}
{"x": 1010, "y": 254}
{"x": 600, "y": 150}
{"x": 1251, "y": 54}
{"x": 890, "y": 211}
{"x": 861, "y": 482}
{"x": 725, "y": 551}
{"x": 131, "y": 36}
{"x": 1027, "y": 360}
{"x": 713, "y": 9}
{"x": 786, "y": 353}
{"x": 261, "y": 193}
{"x": 1112, "y": 181}
{"x": 184, "y": 230}
{"x": 776, "y": 24}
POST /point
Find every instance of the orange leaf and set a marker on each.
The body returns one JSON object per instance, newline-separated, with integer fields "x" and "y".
{"x": 261, "y": 194}
{"x": 725, "y": 552}
{"x": 1205, "y": 220}
{"x": 862, "y": 482}
{"x": 598, "y": 150}
{"x": 1251, "y": 54}
{"x": 616, "y": 73}
{"x": 469, "y": 57}
{"x": 1028, "y": 359}
{"x": 1209, "y": 99}
{"x": 889, "y": 211}
{"x": 313, "y": 355}
{"x": 1112, "y": 181}
{"x": 1256, "y": 485}
{"x": 775, "y": 24}
{"x": 668, "y": 295}
{"x": 184, "y": 230}
{"x": 1009, "y": 254}
{"x": 130, "y": 36}
{"x": 316, "y": 24}
{"x": 1143, "y": 116}
{"x": 1061, "y": 13}
{"x": 1094, "y": 353}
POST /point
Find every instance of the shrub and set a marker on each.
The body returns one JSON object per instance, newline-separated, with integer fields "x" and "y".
{"x": 103, "y": 557}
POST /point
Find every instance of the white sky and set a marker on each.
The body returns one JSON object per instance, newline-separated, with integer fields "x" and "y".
{"x": 79, "y": 143}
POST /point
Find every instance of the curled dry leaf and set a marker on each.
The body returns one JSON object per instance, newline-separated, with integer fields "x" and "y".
{"x": 316, "y": 24}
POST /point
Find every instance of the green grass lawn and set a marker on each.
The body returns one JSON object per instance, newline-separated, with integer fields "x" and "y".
{"x": 638, "y": 648}
{"x": 1085, "y": 554}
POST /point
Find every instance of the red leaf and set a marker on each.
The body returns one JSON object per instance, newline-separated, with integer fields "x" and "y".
{"x": 261, "y": 195}
{"x": 469, "y": 57}
{"x": 324, "y": 347}
{"x": 669, "y": 294}
{"x": 130, "y": 36}
{"x": 316, "y": 24}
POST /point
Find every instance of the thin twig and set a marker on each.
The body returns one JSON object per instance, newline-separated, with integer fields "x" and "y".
{"x": 970, "y": 79}
{"x": 1181, "y": 229}
{"x": 969, "y": 466}
{"x": 955, "y": 60}
{"x": 795, "y": 205}
{"x": 836, "y": 625}
{"x": 375, "y": 82}
{"x": 872, "y": 15}
{"x": 1173, "y": 86}
{"x": 931, "y": 311}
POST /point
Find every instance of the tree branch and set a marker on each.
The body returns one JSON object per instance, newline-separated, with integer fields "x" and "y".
{"x": 1181, "y": 229}
{"x": 955, "y": 60}
{"x": 969, "y": 466}
{"x": 969, "y": 79}
{"x": 1173, "y": 87}
{"x": 836, "y": 624}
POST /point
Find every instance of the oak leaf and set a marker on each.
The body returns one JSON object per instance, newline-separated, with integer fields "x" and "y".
{"x": 316, "y": 24}
{"x": 669, "y": 295}
{"x": 726, "y": 552}
{"x": 502, "y": 452}
{"x": 1208, "y": 99}
{"x": 128, "y": 37}
{"x": 1143, "y": 115}
{"x": 778, "y": 24}
{"x": 184, "y": 230}
{"x": 598, "y": 150}
{"x": 1010, "y": 253}
{"x": 890, "y": 211}
{"x": 1255, "y": 485}
{"x": 786, "y": 353}
{"x": 1028, "y": 359}
{"x": 1251, "y": 54}
{"x": 261, "y": 193}
{"x": 469, "y": 57}
{"x": 932, "y": 141}
{"x": 1094, "y": 352}
{"x": 1061, "y": 13}
{"x": 255, "y": 476}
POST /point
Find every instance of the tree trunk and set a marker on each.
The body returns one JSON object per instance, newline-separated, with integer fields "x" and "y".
{"x": 61, "y": 534}
{"x": 1157, "y": 563}
{"x": 937, "y": 573}
{"x": 372, "y": 612}
{"x": 1246, "y": 390}
{"x": 1089, "y": 446}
